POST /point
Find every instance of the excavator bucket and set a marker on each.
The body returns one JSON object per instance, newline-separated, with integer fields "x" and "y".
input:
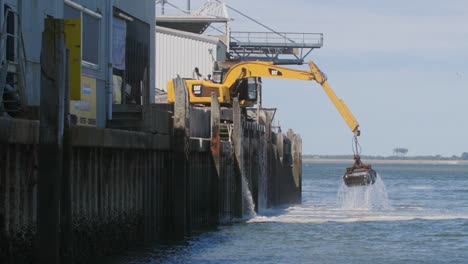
{"x": 359, "y": 174}
{"x": 359, "y": 177}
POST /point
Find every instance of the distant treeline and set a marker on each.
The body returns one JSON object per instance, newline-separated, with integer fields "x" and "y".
{"x": 464, "y": 156}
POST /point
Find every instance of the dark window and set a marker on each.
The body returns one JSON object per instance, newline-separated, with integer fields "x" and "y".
{"x": 90, "y": 33}
{"x": 137, "y": 60}
{"x": 11, "y": 34}
{"x": 91, "y": 39}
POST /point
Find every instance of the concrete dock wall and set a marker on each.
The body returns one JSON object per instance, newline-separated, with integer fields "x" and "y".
{"x": 18, "y": 187}
{"x": 117, "y": 198}
{"x": 117, "y": 189}
{"x": 126, "y": 187}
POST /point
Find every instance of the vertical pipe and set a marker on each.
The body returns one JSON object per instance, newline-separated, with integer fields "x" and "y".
{"x": 109, "y": 43}
{"x": 228, "y": 36}
{"x": 2, "y": 6}
{"x": 259, "y": 98}
{"x": 188, "y": 6}
{"x": 2, "y": 21}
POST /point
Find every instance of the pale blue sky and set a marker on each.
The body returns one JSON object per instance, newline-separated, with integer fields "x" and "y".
{"x": 401, "y": 67}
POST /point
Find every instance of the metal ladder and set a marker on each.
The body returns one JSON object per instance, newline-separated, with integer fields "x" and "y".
{"x": 225, "y": 131}
{"x": 17, "y": 68}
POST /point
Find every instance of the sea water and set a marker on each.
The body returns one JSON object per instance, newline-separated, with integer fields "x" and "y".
{"x": 413, "y": 214}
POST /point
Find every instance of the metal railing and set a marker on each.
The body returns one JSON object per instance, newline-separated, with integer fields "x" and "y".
{"x": 288, "y": 39}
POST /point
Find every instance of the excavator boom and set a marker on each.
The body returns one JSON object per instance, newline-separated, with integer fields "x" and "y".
{"x": 200, "y": 90}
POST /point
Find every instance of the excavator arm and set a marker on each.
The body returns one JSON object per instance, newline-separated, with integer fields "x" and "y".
{"x": 339, "y": 103}
{"x": 200, "y": 90}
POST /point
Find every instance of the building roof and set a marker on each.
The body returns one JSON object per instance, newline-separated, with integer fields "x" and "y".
{"x": 190, "y": 23}
{"x": 184, "y": 34}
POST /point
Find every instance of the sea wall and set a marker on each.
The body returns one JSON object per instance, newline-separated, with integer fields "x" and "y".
{"x": 128, "y": 187}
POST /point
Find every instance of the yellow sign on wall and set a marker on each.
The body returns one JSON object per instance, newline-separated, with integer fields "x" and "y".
{"x": 85, "y": 109}
{"x": 73, "y": 43}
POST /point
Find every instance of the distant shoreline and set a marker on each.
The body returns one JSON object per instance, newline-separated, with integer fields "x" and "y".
{"x": 382, "y": 161}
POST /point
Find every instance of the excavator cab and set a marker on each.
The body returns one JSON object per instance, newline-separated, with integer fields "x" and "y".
{"x": 247, "y": 90}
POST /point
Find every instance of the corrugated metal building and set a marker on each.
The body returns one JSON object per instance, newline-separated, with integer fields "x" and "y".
{"x": 179, "y": 52}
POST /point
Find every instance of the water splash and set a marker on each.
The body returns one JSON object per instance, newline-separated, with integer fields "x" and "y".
{"x": 364, "y": 197}
{"x": 248, "y": 203}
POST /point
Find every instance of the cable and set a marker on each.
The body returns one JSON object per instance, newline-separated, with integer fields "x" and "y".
{"x": 356, "y": 146}
{"x": 256, "y": 21}
{"x": 185, "y": 12}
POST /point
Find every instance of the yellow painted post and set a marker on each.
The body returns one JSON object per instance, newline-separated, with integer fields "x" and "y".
{"x": 73, "y": 44}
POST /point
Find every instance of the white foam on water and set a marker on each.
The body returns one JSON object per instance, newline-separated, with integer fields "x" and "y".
{"x": 368, "y": 197}
{"x": 318, "y": 215}
{"x": 375, "y": 218}
{"x": 422, "y": 187}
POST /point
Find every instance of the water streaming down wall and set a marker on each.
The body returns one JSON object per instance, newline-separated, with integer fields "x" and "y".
{"x": 247, "y": 200}
{"x": 124, "y": 189}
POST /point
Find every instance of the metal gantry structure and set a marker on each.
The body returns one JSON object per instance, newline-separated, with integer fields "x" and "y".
{"x": 277, "y": 47}
{"x": 271, "y": 45}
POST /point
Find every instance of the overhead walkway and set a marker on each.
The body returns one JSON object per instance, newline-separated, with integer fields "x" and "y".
{"x": 278, "y": 47}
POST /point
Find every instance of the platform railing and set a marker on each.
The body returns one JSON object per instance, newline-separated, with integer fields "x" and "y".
{"x": 288, "y": 39}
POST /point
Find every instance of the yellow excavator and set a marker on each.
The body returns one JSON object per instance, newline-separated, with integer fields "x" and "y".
{"x": 239, "y": 81}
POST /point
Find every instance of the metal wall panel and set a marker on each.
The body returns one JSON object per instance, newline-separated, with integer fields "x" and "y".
{"x": 33, "y": 15}
{"x": 178, "y": 53}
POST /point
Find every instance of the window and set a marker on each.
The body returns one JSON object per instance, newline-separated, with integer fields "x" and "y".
{"x": 90, "y": 29}
{"x": 10, "y": 33}
{"x": 90, "y": 39}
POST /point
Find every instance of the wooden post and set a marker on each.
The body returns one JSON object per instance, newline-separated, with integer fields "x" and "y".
{"x": 180, "y": 217}
{"x": 66, "y": 203}
{"x": 296, "y": 154}
{"x": 53, "y": 77}
{"x": 215, "y": 137}
{"x": 237, "y": 132}
{"x": 216, "y": 202}
{"x": 237, "y": 138}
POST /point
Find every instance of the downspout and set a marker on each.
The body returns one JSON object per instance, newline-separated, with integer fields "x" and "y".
{"x": 2, "y": 10}
{"x": 109, "y": 64}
